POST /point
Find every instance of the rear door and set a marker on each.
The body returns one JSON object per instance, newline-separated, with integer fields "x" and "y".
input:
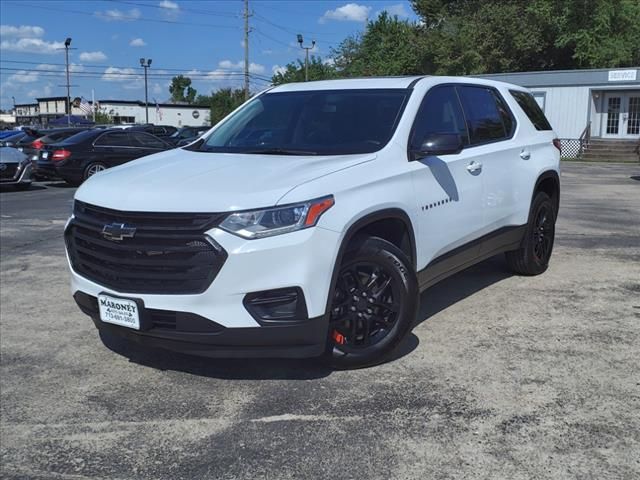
{"x": 500, "y": 157}
{"x": 147, "y": 144}
{"x": 448, "y": 187}
{"x": 114, "y": 148}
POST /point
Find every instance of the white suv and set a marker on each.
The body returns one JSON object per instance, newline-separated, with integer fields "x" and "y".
{"x": 308, "y": 221}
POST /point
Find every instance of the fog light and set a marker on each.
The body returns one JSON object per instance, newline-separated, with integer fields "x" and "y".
{"x": 277, "y": 306}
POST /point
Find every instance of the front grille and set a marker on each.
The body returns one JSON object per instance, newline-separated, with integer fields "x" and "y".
{"x": 168, "y": 253}
{"x": 9, "y": 171}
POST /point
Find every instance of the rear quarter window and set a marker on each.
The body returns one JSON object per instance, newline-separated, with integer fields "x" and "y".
{"x": 531, "y": 109}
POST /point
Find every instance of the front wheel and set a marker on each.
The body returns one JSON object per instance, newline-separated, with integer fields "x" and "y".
{"x": 375, "y": 303}
{"x": 532, "y": 258}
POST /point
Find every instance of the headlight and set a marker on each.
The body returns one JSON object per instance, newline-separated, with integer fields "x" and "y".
{"x": 277, "y": 220}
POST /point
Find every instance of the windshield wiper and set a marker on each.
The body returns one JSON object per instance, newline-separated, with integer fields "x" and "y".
{"x": 280, "y": 151}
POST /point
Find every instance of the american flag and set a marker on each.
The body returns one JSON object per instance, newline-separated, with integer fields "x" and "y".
{"x": 158, "y": 111}
{"x": 85, "y": 106}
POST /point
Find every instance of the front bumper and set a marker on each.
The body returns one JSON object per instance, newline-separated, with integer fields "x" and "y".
{"x": 303, "y": 259}
{"x": 22, "y": 176}
{"x": 195, "y": 335}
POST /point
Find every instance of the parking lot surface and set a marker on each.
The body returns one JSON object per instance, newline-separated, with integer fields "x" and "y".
{"x": 503, "y": 376}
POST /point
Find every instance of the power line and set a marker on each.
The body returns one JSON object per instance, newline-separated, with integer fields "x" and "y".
{"x": 125, "y": 18}
{"x": 114, "y": 75}
{"x": 181, "y": 8}
{"x": 201, "y": 72}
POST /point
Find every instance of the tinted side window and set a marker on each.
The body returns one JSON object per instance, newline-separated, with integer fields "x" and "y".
{"x": 114, "y": 139}
{"x": 440, "y": 112}
{"x": 507, "y": 117}
{"x": 483, "y": 119}
{"x": 532, "y": 109}
{"x": 148, "y": 141}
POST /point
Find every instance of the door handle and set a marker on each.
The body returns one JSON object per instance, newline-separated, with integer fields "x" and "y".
{"x": 474, "y": 167}
{"x": 525, "y": 154}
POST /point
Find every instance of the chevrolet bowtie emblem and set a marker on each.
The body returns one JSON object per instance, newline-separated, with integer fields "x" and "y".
{"x": 118, "y": 231}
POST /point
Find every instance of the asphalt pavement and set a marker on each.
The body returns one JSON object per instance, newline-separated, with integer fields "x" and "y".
{"x": 503, "y": 377}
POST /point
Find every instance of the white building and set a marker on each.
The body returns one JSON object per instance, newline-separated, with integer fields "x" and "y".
{"x": 126, "y": 111}
{"x": 121, "y": 111}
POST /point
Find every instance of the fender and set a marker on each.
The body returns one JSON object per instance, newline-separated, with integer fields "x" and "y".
{"x": 385, "y": 214}
{"x": 548, "y": 174}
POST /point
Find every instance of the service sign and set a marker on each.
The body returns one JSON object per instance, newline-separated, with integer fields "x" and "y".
{"x": 622, "y": 75}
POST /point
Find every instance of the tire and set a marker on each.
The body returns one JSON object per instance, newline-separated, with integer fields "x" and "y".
{"x": 92, "y": 169}
{"x": 374, "y": 304}
{"x": 532, "y": 258}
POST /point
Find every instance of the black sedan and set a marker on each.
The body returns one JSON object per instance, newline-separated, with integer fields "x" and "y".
{"x": 87, "y": 153}
{"x": 32, "y": 147}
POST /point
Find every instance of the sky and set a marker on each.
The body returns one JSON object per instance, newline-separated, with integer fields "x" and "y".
{"x": 202, "y": 39}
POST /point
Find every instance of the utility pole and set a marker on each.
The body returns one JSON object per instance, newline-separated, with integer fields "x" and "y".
{"x": 67, "y": 43}
{"x": 306, "y": 58}
{"x": 145, "y": 64}
{"x": 246, "y": 49}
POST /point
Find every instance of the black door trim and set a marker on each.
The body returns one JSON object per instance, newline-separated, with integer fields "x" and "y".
{"x": 458, "y": 259}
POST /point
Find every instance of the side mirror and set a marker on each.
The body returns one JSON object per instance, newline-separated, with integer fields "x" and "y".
{"x": 438, "y": 144}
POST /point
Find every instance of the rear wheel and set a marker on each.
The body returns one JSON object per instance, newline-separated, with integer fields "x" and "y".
{"x": 532, "y": 258}
{"x": 93, "y": 168}
{"x": 374, "y": 304}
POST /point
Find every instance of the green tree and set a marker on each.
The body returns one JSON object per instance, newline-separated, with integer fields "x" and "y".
{"x": 388, "y": 46}
{"x": 221, "y": 102}
{"x": 479, "y": 36}
{"x": 181, "y": 89}
{"x": 103, "y": 118}
{"x": 294, "y": 71}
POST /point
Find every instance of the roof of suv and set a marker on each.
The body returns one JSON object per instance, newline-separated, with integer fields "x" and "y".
{"x": 383, "y": 82}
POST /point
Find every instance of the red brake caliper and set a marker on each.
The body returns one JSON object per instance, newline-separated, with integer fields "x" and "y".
{"x": 338, "y": 337}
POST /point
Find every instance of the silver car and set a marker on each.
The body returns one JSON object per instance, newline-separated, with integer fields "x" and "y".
{"x": 15, "y": 168}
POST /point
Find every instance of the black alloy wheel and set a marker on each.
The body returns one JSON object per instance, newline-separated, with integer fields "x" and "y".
{"x": 374, "y": 304}
{"x": 532, "y": 258}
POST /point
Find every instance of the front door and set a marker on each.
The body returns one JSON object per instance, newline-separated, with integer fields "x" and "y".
{"x": 622, "y": 115}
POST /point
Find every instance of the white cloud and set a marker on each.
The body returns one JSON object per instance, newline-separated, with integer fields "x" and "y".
{"x": 116, "y": 15}
{"x": 351, "y": 12}
{"x": 128, "y": 77}
{"x": 137, "y": 42}
{"x": 74, "y": 67}
{"x": 46, "y": 67}
{"x": 397, "y": 10}
{"x": 329, "y": 61}
{"x": 229, "y": 65}
{"x": 23, "y": 31}
{"x": 227, "y": 74}
{"x": 31, "y": 45}
{"x": 22, "y": 76}
{"x": 170, "y": 10}
{"x": 156, "y": 89}
{"x": 45, "y": 91}
{"x": 169, "y": 5}
{"x": 92, "y": 56}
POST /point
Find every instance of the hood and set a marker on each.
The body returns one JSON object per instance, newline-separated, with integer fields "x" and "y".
{"x": 184, "y": 181}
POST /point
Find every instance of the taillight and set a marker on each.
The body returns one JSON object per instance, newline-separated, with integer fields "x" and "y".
{"x": 557, "y": 144}
{"x": 60, "y": 155}
{"x": 37, "y": 144}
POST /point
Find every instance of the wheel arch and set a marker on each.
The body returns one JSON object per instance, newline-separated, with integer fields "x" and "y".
{"x": 373, "y": 224}
{"x": 549, "y": 183}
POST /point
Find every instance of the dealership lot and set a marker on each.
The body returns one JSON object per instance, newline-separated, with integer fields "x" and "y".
{"x": 503, "y": 377}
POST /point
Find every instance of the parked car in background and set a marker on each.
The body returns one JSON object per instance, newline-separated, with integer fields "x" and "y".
{"x": 87, "y": 153}
{"x": 160, "y": 131}
{"x": 15, "y": 168}
{"x": 32, "y": 147}
{"x": 186, "y": 135}
{"x": 11, "y": 140}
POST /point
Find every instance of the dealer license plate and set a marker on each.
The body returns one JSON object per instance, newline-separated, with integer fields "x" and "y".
{"x": 119, "y": 311}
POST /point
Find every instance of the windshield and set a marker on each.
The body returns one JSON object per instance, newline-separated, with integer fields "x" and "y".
{"x": 320, "y": 122}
